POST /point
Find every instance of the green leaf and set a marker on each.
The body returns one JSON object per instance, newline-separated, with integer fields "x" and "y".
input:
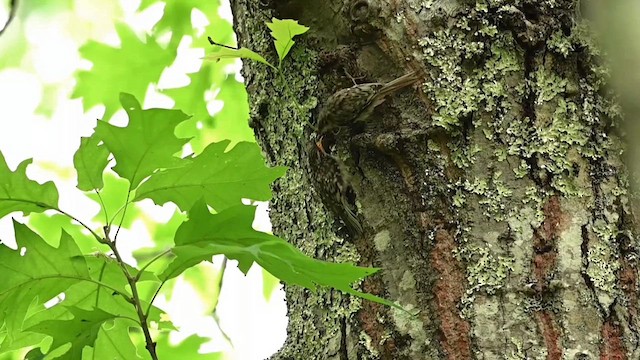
{"x": 80, "y": 331}
{"x": 229, "y": 232}
{"x": 90, "y": 160}
{"x": 232, "y": 121}
{"x": 187, "y": 349}
{"x": 19, "y": 193}
{"x": 176, "y": 17}
{"x": 191, "y": 100}
{"x": 112, "y": 284}
{"x": 146, "y": 144}
{"x": 242, "y": 53}
{"x": 41, "y": 274}
{"x": 114, "y": 342}
{"x": 269, "y": 284}
{"x": 129, "y": 68}
{"x": 112, "y": 196}
{"x": 283, "y": 32}
{"x": 50, "y": 228}
{"x": 222, "y": 178}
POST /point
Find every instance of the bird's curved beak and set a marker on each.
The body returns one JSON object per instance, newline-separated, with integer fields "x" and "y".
{"x": 320, "y": 146}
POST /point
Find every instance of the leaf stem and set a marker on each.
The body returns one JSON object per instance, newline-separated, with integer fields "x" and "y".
{"x": 100, "y": 239}
{"x": 218, "y": 44}
{"x": 155, "y": 258}
{"x": 222, "y": 270}
{"x": 124, "y": 213}
{"x": 13, "y": 7}
{"x": 150, "y": 344}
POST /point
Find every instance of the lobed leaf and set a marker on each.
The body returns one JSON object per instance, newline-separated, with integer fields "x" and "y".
{"x": 40, "y": 274}
{"x": 283, "y": 32}
{"x": 146, "y": 144}
{"x": 128, "y": 68}
{"x": 90, "y": 160}
{"x": 241, "y": 53}
{"x": 80, "y": 331}
{"x": 222, "y": 178}
{"x": 230, "y": 233}
{"x": 19, "y": 193}
{"x": 114, "y": 342}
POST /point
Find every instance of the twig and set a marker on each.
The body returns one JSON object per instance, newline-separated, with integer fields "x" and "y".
{"x": 150, "y": 344}
{"x": 218, "y": 44}
{"x": 13, "y": 7}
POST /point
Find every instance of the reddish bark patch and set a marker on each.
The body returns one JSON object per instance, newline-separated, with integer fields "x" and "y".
{"x": 612, "y": 347}
{"x": 370, "y": 324}
{"x": 544, "y": 242}
{"x": 550, "y": 334}
{"x": 554, "y": 219}
{"x": 448, "y": 290}
{"x": 369, "y": 315}
{"x": 629, "y": 285}
{"x": 544, "y": 264}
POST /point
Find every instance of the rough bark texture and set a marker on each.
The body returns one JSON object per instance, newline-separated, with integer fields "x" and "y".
{"x": 493, "y": 194}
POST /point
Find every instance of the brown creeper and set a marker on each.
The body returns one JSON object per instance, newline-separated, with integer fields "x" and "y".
{"x": 331, "y": 183}
{"x": 355, "y": 104}
{"x": 345, "y": 108}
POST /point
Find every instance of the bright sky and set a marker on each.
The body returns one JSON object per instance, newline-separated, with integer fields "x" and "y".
{"x": 257, "y": 328}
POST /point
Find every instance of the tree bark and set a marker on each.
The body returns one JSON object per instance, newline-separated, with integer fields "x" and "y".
{"x": 494, "y": 195}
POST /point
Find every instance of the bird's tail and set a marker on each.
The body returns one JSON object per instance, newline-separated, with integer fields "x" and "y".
{"x": 397, "y": 84}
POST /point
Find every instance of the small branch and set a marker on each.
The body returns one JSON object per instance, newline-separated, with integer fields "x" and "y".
{"x": 222, "y": 270}
{"x": 222, "y": 45}
{"x": 100, "y": 240}
{"x": 127, "y": 298}
{"x": 13, "y": 7}
{"x": 124, "y": 213}
{"x": 146, "y": 314}
{"x": 151, "y": 262}
{"x": 150, "y": 344}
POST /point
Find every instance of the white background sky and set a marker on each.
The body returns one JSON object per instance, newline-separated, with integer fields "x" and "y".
{"x": 256, "y": 327}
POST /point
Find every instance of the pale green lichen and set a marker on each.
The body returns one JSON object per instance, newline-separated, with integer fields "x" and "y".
{"x": 560, "y": 43}
{"x": 493, "y": 194}
{"x": 365, "y": 340}
{"x": 407, "y": 324}
{"x": 487, "y": 271}
{"x": 603, "y": 263}
{"x": 407, "y": 282}
{"x": 382, "y": 240}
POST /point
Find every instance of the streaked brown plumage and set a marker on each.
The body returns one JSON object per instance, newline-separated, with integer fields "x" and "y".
{"x": 343, "y": 109}
{"x": 355, "y": 104}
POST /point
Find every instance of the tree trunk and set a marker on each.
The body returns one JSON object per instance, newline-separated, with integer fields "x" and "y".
{"x": 493, "y": 195}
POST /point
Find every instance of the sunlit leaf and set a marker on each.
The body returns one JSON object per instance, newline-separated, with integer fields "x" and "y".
{"x": 41, "y": 274}
{"x": 186, "y": 349}
{"x": 112, "y": 196}
{"x": 146, "y": 144}
{"x": 232, "y": 121}
{"x": 283, "y": 32}
{"x": 176, "y": 17}
{"x": 242, "y": 53}
{"x": 222, "y": 178}
{"x": 90, "y": 160}
{"x": 19, "y": 193}
{"x": 128, "y": 68}
{"x": 229, "y": 232}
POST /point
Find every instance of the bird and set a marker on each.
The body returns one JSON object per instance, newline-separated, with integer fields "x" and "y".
{"x": 352, "y": 105}
{"x": 345, "y": 108}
